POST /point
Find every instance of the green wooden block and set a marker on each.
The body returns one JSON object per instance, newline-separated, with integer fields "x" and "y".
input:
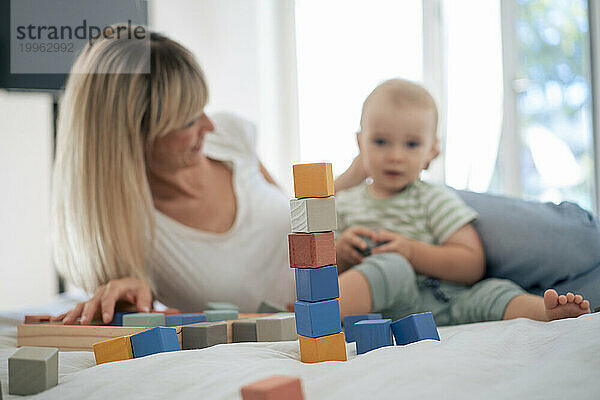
{"x": 266, "y": 307}
{"x": 220, "y": 315}
{"x": 243, "y": 331}
{"x": 32, "y": 370}
{"x": 203, "y": 334}
{"x": 149, "y": 320}
{"x": 213, "y": 305}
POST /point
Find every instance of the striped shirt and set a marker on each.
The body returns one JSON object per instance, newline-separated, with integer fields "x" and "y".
{"x": 422, "y": 211}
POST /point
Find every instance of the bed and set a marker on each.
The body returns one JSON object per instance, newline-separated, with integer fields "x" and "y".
{"x": 520, "y": 359}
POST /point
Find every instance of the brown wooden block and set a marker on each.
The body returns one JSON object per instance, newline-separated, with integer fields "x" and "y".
{"x": 311, "y": 250}
{"x": 313, "y": 180}
{"x": 323, "y": 348}
{"x": 110, "y": 350}
{"x": 275, "y": 387}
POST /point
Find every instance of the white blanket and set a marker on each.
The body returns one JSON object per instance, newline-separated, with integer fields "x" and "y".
{"x": 518, "y": 359}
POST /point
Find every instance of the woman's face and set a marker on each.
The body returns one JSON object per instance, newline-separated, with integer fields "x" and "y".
{"x": 180, "y": 148}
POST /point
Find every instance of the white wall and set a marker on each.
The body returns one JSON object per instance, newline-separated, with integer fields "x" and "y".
{"x": 27, "y": 276}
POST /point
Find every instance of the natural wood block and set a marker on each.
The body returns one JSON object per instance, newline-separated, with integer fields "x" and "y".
{"x": 276, "y": 328}
{"x": 313, "y": 214}
{"x": 313, "y": 180}
{"x": 311, "y": 250}
{"x": 148, "y": 320}
{"x": 110, "y": 350}
{"x": 203, "y": 334}
{"x": 324, "y": 348}
{"x": 32, "y": 370}
{"x": 244, "y": 331}
{"x": 275, "y": 387}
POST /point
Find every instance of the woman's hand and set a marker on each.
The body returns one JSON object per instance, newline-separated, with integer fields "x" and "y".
{"x": 396, "y": 243}
{"x": 348, "y": 245}
{"x": 130, "y": 290}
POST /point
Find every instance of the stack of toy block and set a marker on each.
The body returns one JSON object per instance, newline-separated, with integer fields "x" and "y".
{"x": 312, "y": 254}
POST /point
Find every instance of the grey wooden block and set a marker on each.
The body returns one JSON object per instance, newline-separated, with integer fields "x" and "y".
{"x": 220, "y": 315}
{"x": 203, "y": 334}
{"x": 149, "y": 320}
{"x": 313, "y": 214}
{"x": 276, "y": 328}
{"x": 32, "y": 370}
{"x": 243, "y": 331}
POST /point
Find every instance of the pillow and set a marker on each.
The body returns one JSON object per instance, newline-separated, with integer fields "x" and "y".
{"x": 536, "y": 245}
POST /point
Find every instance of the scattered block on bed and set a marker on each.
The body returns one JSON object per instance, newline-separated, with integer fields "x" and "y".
{"x": 243, "y": 331}
{"x": 311, "y": 250}
{"x": 317, "y": 319}
{"x": 116, "y": 349}
{"x": 147, "y": 320}
{"x": 317, "y": 284}
{"x": 313, "y": 180}
{"x": 32, "y": 370}
{"x": 220, "y": 315}
{"x": 372, "y": 334}
{"x": 275, "y": 387}
{"x": 313, "y": 215}
{"x": 415, "y": 327}
{"x": 266, "y": 307}
{"x": 35, "y": 319}
{"x": 215, "y": 305}
{"x": 118, "y": 318}
{"x": 203, "y": 334}
{"x": 324, "y": 348}
{"x": 350, "y": 320}
{"x": 155, "y": 340}
{"x": 276, "y": 328}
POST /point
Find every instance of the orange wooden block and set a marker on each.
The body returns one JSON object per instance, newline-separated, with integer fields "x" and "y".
{"x": 113, "y": 350}
{"x": 276, "y": 387}
{"x": 324, "y": 348}
{"x": 313, "y": 180}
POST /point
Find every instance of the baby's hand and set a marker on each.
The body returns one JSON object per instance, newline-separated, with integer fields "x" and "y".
{"x": 397, "y": 243}
{"x": 348, "y": 245}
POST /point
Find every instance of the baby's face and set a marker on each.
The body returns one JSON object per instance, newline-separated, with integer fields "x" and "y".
{"x": 396, "y": 143}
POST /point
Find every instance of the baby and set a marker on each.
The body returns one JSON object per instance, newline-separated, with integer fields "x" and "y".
{"x": 429, "y": 257}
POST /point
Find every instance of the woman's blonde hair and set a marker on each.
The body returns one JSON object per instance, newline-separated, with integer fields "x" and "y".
{"x": 102, "y": 208}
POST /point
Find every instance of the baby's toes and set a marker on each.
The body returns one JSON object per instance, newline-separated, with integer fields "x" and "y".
{"x": 585, "y": 305}
{"x": 578, "y": 299}
{"x": 570, "y": 297}
{"x": 562, "y": 299}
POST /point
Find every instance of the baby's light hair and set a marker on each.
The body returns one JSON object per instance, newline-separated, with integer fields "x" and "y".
{"x": 402, "y": 93}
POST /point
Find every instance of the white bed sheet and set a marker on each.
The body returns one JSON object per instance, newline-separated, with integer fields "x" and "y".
{"x": 518, "y": 359}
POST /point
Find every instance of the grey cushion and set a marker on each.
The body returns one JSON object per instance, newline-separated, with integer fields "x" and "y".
{"x": 537, "y": 245}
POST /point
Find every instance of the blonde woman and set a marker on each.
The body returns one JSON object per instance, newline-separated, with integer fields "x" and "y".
{"x": 154, "y": 199}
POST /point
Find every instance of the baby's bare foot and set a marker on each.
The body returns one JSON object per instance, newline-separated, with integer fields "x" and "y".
{"x": 564, "y": 306}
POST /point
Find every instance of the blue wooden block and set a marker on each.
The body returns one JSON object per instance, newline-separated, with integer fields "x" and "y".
{"x": 173, "y": 320}
{"x": 317, "y": 284}
{"x": 318, "y": 319}
{"x": 187, "y": 319}
{"x": 155, "y": 340}
{"x": 350, "y": 320}
{"x": 118, "y": 318}
{"x": 372, "y": 334}
{"x": 415, "y": 327}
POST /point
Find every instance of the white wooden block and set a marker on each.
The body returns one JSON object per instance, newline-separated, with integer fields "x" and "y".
{"x": 276, "y": 328}
{"x": 313, "y": 214}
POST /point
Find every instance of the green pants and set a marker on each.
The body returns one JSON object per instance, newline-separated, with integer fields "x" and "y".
{"x": 397, "y": 291}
